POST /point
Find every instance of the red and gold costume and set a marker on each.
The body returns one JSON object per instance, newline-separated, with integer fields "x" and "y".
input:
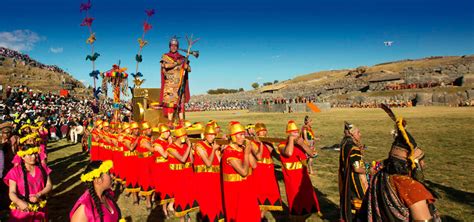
{"x": 240, "y": 198}
{"x": 170, "y": 81}
{"x": 118, "y": 154}
{"x": 302, "y": 199}
{"x": 161, "y": 172}
{"x": 209, "y": 194}
{"x": 95, "y": 141}
{"x": 145, "y": 162}
{"x": 132, "y": 160}
{"x": 268, "y": 192}
{"x": 184, "y": 189}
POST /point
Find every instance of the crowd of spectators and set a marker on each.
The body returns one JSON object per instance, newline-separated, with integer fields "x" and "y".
{"x": 24, "y": 59}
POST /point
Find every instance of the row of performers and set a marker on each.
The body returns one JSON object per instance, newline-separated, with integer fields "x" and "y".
{"x": 234, "y": 182}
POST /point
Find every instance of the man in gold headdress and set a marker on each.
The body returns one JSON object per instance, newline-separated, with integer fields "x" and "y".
{"x": 172, "y": 77}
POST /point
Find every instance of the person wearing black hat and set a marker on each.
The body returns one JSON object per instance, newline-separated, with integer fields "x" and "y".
{"x": 396, "y": 192}
{"x": 352, "y": 173}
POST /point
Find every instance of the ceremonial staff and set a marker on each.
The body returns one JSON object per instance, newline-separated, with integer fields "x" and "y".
{"x": 184, "y": 74}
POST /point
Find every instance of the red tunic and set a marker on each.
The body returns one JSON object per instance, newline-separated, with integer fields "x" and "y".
{"x": 119, "y": 158}
{"x": 161, "y": 175}
{"x": 209, "y": 194}
{"x": 302, "y": 199}
{"x": 130, "y": 169}
{"x": 112, "y": 152}
{"x": 94, "y": 145}
{"x": 144, "y": 164}
{"x": 268, "y": 192}
{"x": 183, "y": 182}
{"x": 240, "y": 198}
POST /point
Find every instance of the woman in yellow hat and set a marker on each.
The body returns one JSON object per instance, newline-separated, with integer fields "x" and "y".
{"x": 130, "y": 155}
{"x": 144, "y": 153}
{"x": 240, "y": 198}
{"x": 207, "y": 175}
{"x": 160, "y": 169}
{"x": 266, "y": 184}
{"x": 180, "y": 163}
{"x": 302, "y": 199}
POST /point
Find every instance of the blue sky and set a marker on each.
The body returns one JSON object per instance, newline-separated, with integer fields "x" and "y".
{"x": 241, "y": 41}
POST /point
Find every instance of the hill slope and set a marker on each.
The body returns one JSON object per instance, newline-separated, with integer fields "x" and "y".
{"x": 37, "y": 76}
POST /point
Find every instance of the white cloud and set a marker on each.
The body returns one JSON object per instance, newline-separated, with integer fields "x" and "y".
{"x": 56, "y": 50}
{"x": 20, "y": 40}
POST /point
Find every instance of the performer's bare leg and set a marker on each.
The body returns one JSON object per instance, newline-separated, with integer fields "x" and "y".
{"x": 310, "y": 165}
{"x": 148, "y": 201}
{"x": 165, "y": 211}
{"x": 135, "y": 198}
{"x": 262, "y": 214}
{"x": 171, "y": 207}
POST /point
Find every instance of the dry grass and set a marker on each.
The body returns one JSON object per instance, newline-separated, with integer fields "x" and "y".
{"x": 446, "y": 134}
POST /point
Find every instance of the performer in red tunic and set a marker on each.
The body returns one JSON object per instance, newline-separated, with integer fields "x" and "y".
{"x": 240, "y": 197}
{"x": 121, "y": 147}
{"x": 180, "y": 163}
{"x": 144, "y": 164}
{"x": 160, "y": 169}
{"x": 112, "y": 136}
{"x": 302, "y": 199}
{"x": 101, "y": 140}
{"x": 95, "y": 140}
{"x": 208, "y": 177}
{"x": 171, "y": 68}
{"x": 132, "y": 161}
{"x": 104, "y": 153}
{"x": 268, "y": 192}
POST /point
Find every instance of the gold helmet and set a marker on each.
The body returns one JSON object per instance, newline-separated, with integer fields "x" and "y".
{"x": 291, "y": 127}
{"x": 214, "y": 123}
{"x": 134, "y": 125}
{"x": 180, "y": 131}
{"x": 235, "y": 128}
{"x": 98, "y": 123}
{"x": 125, "y": 126}
{"x": 198, "y": 125}
{"x": 210, "y": 130}
{"x": 260, "y": 127}
{"x": 145, "y": 125}
{"x": 187, "y": 124}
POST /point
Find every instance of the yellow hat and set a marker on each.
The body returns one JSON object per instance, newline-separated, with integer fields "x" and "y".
{"x": 145, "y": 125}
{"x": 291, "y": 127}
{"x": 249, "y": 126}
{"x": 180, "y": 131}
{"x": 236, "y": 128}
{"x": 98, "y": 123}
{"x": 260, "y": 127}
{"x": 162, "y": 128}
{"x": 134, "y": 125}
{"x": 125, "y": 126}
{"x": 198, "y": 125}
{"x": 210, "y": 130}
{"x": 155, "y": 129}
{"x": 105, "y": 124}
{"x": 187, "y": 124}
{"x": 214, "y": 123}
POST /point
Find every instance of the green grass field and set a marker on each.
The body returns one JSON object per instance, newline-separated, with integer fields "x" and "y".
{"x": 446, "y": 134}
